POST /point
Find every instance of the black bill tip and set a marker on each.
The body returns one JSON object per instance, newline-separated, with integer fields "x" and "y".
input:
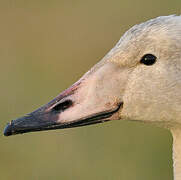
{"x": 8, "y": 130}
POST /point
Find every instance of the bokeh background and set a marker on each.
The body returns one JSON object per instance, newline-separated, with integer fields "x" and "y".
{"x": 45, "y": 46}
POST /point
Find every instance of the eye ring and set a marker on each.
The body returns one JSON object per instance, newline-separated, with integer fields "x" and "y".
{"x": 148, "y": 59}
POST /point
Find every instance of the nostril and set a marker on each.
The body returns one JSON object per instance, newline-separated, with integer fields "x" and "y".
{"x": 63, "y": 105}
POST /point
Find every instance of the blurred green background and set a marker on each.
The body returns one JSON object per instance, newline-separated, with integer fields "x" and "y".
{"x": 45, "y": 46}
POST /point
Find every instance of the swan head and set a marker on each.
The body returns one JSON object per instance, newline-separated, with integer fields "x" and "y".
{"x": 139, "y": 80}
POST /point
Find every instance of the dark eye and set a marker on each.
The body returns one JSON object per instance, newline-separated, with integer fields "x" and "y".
{"x": 148, "y": 59}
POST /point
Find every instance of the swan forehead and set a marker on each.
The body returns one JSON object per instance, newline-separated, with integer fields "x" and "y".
{"x": 160, "y": 36}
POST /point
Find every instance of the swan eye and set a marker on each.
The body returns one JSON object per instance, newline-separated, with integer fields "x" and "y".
{"x": 148, "y": 59}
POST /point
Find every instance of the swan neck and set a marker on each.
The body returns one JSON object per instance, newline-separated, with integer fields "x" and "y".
{"x": 176, "y": 132}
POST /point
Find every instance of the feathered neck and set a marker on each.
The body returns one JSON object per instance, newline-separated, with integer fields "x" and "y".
{"x": 176, "y": 133}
